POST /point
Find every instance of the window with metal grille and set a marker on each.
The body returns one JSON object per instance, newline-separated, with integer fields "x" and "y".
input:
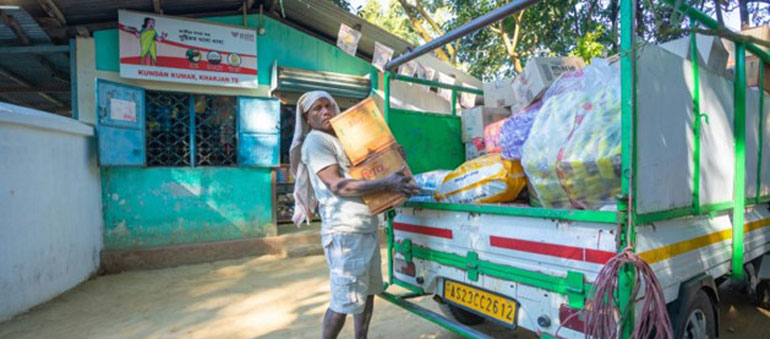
{"x": 190, "y": 130}
{"x": 215, "y": 141}
{"x": 168, "y": 129}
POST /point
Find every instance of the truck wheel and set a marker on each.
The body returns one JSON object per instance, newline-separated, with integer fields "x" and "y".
{"x": 462, "y": 316}
{"x": 698, "y": 321}
{"x": 763, "y": 294}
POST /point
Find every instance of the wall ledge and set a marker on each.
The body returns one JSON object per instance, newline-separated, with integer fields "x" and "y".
{"x": 116, "y": 261}
{"x": 18, "y": 115}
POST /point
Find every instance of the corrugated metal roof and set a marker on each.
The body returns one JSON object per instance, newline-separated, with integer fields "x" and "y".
{"x": 36, "y": 101}
{"x": 319, "y": 17}
{"x": 28, "y": 24}
{"x": 35, "y": 71}
{"x": 325, "y": 17}
{"x": 79, "y": 12}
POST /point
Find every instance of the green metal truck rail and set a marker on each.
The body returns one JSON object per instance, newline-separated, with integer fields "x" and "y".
{"x": 626, "y": 216}
{"x": 627, "y": 201}
{"x": 605, "y": 217}
{"x": 739, "y": 130}
{"x": 573, "y": 285}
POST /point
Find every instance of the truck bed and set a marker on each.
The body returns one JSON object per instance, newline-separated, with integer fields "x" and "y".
{"x": 516, "y": 256}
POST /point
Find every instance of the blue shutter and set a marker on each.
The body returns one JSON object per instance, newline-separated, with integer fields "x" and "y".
{"x": 259, "y": 126}
{"x": 120, "y": 124}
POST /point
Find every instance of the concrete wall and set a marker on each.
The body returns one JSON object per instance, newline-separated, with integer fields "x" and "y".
{"x": 51, "y": 224}
{"x": 156, "y": 207}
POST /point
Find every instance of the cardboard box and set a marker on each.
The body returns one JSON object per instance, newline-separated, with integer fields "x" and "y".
{"x": 752, "y": 73}
{"x": 498, "y": 93}
{"x": 362, "y": 131}
{"x": 711, "y": 52}
{"x": 475, "y": 119}
{"x": 381, "y": 165}
{"x": 759, "y": 32}
{"x": 537, "y": 76}
{"x": 475, "y": 149}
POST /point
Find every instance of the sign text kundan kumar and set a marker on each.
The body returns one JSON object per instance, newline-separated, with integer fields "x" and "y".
{"x": 162, "y": 48}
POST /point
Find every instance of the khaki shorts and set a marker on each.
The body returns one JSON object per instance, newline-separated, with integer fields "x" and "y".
{"x": 354, "y": 269}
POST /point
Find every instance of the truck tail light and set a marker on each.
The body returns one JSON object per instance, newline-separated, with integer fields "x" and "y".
{"x": 572, "y": 318}
{"x": 404, "y": 267}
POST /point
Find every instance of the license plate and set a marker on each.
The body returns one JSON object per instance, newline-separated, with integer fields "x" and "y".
{"x": 491, "y": 305}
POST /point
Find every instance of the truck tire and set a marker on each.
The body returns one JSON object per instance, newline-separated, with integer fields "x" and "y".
{"x": 698, "y": 320}
{"x": 462, "y": 316}
{"x": 763, "y": 294}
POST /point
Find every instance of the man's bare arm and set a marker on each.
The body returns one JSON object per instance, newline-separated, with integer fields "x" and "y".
{"x": 399, "y": 182}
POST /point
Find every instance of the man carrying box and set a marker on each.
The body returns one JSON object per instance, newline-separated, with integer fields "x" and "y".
{"x": 349, "y": 230}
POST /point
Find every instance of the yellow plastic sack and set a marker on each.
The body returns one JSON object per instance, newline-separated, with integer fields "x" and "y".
{"x": 486, "y": 179}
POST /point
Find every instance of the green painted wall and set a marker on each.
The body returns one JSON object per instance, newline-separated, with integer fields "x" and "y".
{"x": 290, "y": 47}
{"x": 107, "y": 50}
{"x": 428, "y": 148}
{"x": 150, "y": 207}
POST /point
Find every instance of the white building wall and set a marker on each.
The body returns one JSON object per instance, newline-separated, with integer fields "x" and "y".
{"x": 50, "y": 207}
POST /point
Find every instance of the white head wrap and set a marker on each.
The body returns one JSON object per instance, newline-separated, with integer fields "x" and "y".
{"x": 305, "y": 202}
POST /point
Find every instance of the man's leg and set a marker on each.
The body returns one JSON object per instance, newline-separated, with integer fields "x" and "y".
{"x": 361, "y": 321}
{"x": 333, "y": 323}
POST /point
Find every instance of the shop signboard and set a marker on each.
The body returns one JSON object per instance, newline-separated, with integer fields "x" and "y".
{"x": 163, "y": 48}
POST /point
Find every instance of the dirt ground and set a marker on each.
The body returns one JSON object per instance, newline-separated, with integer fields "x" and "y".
{"x": 264, "y": 297}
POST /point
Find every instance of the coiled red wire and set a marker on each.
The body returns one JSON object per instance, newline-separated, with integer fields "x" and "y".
{"x": 603, "y": 317}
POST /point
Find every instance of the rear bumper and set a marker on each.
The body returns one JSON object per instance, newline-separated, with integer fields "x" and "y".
{"x": 533, "y": 302}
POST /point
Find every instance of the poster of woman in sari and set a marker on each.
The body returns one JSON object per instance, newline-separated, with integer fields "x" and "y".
{"x": 147, "y": 36}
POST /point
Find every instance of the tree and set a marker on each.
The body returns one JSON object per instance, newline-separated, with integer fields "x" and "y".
{"x": 393, "y": 20}
{"x": 344, "y": 4}
{"x": 551, "y": 27}
{"x": 586, "y": 28}
{"x": 419, "y": 16}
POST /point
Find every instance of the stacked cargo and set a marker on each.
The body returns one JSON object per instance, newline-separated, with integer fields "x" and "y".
{"x": 537, "y": 76}
{"x": 556, "y": 129}
{"x": 494, "y": 134}
{"x": 284, "y": 194}
{"x": 372, "y": 150}
{"x": 752, "y": 61}
{"x": 572, "y": 156}
{"x": 474, "y": 121}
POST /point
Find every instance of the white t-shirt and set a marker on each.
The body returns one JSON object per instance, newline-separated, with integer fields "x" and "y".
{"x": 338, "y": 214}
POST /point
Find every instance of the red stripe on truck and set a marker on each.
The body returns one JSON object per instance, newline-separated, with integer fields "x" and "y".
{"x": 432, "y": 231}
{"x": 553, "y": 250}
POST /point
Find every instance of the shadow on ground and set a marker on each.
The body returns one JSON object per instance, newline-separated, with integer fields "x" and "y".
{"x": 264, "y": 297}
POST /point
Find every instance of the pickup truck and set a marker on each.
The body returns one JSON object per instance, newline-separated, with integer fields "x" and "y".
{"x": 535, "y": 268}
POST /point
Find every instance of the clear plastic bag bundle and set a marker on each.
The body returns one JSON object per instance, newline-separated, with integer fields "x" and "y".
{"x": 429, "y": 181}
{"x": 572, "y": 155}
{"x": 516, "y": 130}
{"x": 586, "y": 80}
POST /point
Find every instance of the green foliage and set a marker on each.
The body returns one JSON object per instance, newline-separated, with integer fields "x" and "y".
{"x": 344, "y": 4}
{"x": 585, "y": 28}
{"x": 548, "y": 28}
{"x": 394, "y": 20}
{"x": 588, "y": 47}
